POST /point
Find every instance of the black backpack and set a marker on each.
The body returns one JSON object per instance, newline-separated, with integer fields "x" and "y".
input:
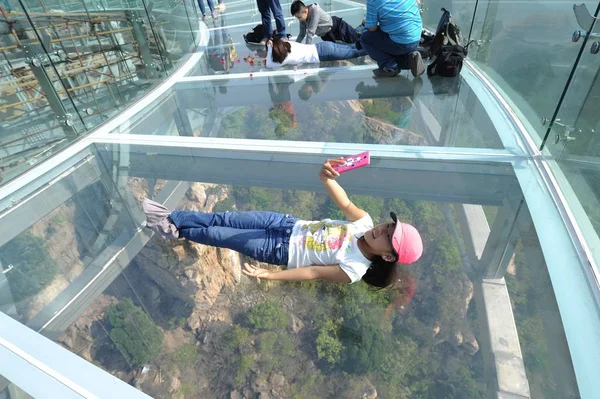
{"x": 448, "y": 48}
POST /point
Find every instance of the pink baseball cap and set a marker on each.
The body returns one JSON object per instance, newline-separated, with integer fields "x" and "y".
{"x": 406, "y": 241}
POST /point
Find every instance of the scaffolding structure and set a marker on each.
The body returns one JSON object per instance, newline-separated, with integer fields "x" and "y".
{"x": 66, "y": 67}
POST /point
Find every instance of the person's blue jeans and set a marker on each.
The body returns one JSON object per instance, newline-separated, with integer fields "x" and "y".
{"x": 264, "y": 236}
{"x": 386, "y": 52}
{"x": 211, "y": 5}
{"x": 266, "y": 7}
{"x": 330, "y": 51}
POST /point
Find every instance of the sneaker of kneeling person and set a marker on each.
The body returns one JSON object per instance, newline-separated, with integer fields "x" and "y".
{"x": 416, "y": 64}
{"x": 385, "y": 72}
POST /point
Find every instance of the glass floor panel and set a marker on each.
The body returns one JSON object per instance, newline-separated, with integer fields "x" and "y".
{"x": 177, "y": 318}
{"x": 332, "y": 105}
{"x": 227, "y": 51}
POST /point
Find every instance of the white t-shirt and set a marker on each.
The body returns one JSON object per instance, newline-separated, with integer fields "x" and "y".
{"x": 301, "y": 53}
{"x": 330, "y": 242}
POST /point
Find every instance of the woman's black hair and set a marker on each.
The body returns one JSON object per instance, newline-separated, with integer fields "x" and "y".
{"x": 281, "y": 49}
{"x": 296, "y": 7}
{"x": 381, "y": 273}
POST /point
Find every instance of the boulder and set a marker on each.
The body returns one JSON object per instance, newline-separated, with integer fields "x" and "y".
{"x": 277, "y": 379}
{"x": 297, "y": 324}
{"x": 197, "y": 194}
{"x": 384, "y": 132}
{"x": 174, "y": 385}
{"x": 456, "y": 339}
{"x": 235, "y": 395}
{"x": 470, "y": 344}
{"x": 180, "y": 252}
{"x": 287, "y": 301}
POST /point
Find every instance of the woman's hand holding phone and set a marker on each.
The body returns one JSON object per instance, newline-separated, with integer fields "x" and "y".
{"x": 327, "y": 170}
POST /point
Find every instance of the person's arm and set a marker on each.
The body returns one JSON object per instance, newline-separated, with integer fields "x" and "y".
{"x": 327, "y": 273}
{"x": 302, "y": 32}
{"x": 372, "y": 19}
{"x": 312, "y": 24}
{"x": 270, "y": 62}
{"x": 337, "y": 194}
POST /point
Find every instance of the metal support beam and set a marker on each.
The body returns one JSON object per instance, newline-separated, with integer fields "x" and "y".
{"x": 140, "y": 37}
{"x": 182, "y": 122}
{"x": 504, "y": 236}
{"x": 504, "y": 369}
{"x": 64, "y": 117}
{"x": 63, "y": 310}
{"x": 443, "y": 181}
{"x": 23, "y": 215}
{"x": 7, "y": 304}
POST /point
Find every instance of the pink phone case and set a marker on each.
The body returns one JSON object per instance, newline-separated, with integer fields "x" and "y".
{"x": 354, "y": 162}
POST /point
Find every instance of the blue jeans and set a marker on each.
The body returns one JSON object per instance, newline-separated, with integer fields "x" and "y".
{"x": 211, "y": 5}
{"x": 330, "y": 51}
{"x": 386, "y": 52}
{"x": 264, "y": 236}
{"x": 266, "y": 7}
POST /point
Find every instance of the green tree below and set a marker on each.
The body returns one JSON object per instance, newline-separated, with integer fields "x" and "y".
{"x": 133, "y": 332}
{"x": 32, "y": 266}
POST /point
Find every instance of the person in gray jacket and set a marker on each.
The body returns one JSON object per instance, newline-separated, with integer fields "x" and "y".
{"x": 314, "y": 21}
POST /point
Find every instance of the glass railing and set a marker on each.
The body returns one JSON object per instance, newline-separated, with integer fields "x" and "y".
{"x": 66, "y": 67}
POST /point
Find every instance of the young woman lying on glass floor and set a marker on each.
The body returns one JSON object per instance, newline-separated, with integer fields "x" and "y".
{"x": 332, "y": 250}
{"x": 281, "y": 52}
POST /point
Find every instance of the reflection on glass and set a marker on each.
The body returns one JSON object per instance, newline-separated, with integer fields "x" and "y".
{"x": 338, "y": 106}
{"x": 528, "y": 50}
{"x": 67, "y": 67}
{"x": 43, "y": 264}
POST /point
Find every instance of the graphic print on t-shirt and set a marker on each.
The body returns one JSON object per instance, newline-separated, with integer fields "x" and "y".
{"x": 325, "y": 236}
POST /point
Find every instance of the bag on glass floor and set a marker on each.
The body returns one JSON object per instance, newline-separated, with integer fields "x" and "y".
{"x": 448, "y": 48}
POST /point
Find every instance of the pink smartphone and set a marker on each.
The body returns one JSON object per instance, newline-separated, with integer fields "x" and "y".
{"x": 354, "y": 162}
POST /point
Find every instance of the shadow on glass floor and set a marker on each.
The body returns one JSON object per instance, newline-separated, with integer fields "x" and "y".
{"x": 176, "y": 317}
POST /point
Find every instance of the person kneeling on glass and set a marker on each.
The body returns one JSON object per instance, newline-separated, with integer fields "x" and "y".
{"x": 314, "y": 21}
{"x": 280, "y": 52}
{"x": 392, "y": 33}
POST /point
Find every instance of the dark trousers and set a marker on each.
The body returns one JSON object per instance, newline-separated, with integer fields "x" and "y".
{"x": 266, "y": 7}
{"x": 340, "y": 31}
{"x": 386, "y": 52}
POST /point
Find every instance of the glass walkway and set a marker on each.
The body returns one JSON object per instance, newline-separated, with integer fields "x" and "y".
{"x": 104, "y": 103}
